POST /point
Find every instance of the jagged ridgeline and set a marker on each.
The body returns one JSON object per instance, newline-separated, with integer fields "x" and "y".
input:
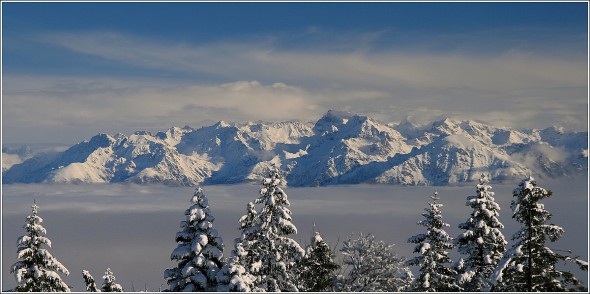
{"x": 340, "y": 148}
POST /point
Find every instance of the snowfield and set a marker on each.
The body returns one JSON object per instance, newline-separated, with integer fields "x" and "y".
{"x": 130, "y": 228}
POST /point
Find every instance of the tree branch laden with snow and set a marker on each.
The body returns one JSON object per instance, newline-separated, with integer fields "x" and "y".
{"x": 433, "y": 253}
{"x": 36, "y": 269}
{"x": 199, "y": 251}
{"x": 529, "y": 265}
{"x": 482, "y": 241}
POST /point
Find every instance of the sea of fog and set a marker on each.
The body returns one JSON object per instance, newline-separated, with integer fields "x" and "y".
{"x": 130, "y": 228}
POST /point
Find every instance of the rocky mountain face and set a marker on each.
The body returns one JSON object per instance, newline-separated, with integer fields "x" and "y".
{"x": 340, "y": 148}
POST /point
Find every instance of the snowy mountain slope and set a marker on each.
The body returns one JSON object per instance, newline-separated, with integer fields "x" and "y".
{"x": 452, "y": 159}
{"x": 140, "y": 158}
{"x": 340, "y": 148}
{"x": 227, "y": 147}
{"x": 11, "y": 157}
{"x": 8, "y": 160}
{"x": 342, "y": 143}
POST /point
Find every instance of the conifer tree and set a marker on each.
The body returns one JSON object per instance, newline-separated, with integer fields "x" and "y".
{"x": 108, "y": 284}
{"x": 463, "y": 276}
{"x": 530, "y": 265}
{"x": 199, "y": 252}
{"x": 90, "y": 282}
{"x": 318, "y": 266}
{"x": 36, "y": 269}
{"x": 235, "y": 275}
{"x": 435, "y": 275}
{"x": 482, "y": 242}
{"x": 372, "y": 266}
{"x": 273, "y": 255}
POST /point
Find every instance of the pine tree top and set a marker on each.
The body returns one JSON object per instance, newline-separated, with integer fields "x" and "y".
{"x": 109, "y": 284}
{"x": 199, "y": 251}
{"x": 527, "y": 195}
{"x": 483, "y": 180}
{"x": 36, "y": 269}
{"x": 528, "y": 183}
{"x": 274, "y": 177}
{"x": 484, "y": 186}
{"x": 435, "y": 196}
{"x": 530, "y": 265}
{"x": 199, "y": 198}
{"x": 317, "y": 238}
{"x": 482, "y": 242}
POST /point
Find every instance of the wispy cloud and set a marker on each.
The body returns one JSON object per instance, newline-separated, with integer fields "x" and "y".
{"x": 245, "y": 80}
{"x": 507, "y": 70}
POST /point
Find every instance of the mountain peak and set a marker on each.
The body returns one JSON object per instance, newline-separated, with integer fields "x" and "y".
{"x": 446, "y": 125}
{"x": 101, "y": 140}
{"x": 341, "y": 148}
{"x": 221, "y": 124}
{"x": 332, "y": 120}
{"x": 446, "y": 121}
{"x": 337, "y": 114}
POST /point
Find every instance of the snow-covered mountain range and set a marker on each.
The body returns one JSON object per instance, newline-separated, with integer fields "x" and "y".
{"x": 340, "y": 148}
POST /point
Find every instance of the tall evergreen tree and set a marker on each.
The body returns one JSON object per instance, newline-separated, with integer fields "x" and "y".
{"x": 36, "y": 269}
{"x": 235, "y": 275}
{"x": 199, "y": 252}
{"x": 530, "y": 265}
{"x": 108, "y": 284}
{"x": 372, "y": 266}
{"x": 90, "y": 282}
{"x": 482, "y": 242}
{"x": 434, "y": 276}
{"x": 318, "y": 266}
{"x": 272, "y": 255}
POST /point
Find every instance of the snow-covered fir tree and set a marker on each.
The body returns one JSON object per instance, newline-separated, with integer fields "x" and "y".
{"x": 372, "y": 266}
{"x": 108, "y": 284}
{"x": 462, "y": 275}
{"x": 199, "y": 252}
{"x": 235, "y": 275}
{"x": 482, "y": 241}
{"x": 529, "y": 265}
{"x": 317, "y": 270}
{"x": 272, "y": 255}
{"x": 249, "y": 256}
{"x": 89, "y": 281}
{"x": 436, "y": 275}
{"x": 36, "y": 269}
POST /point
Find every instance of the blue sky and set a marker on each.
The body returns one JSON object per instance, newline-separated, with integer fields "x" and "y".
{"x": 71, "y": 70}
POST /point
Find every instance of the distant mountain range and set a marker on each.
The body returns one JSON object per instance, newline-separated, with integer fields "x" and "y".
{"x": 340, "y": 148}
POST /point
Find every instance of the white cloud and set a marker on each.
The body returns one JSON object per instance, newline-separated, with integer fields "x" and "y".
{"x": 91, "y": 105}
{"x": 504, "y": 70}
{"x": 262, "y": 81}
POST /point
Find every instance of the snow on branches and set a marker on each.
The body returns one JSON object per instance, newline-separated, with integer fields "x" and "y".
{"x": 433, "y": 253}
{"x": 199, "y": 252}
{"x": 482, "y": 241}
{"x": 372, "y": 266}
{"x": 108, "y": 284}
{"x": 530, "y": 265}
{"x": 36, "y": 269}
{"x": 89, "y": 281}
{"x": 316, "y": 271}
{"x": 269, "y": 256}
